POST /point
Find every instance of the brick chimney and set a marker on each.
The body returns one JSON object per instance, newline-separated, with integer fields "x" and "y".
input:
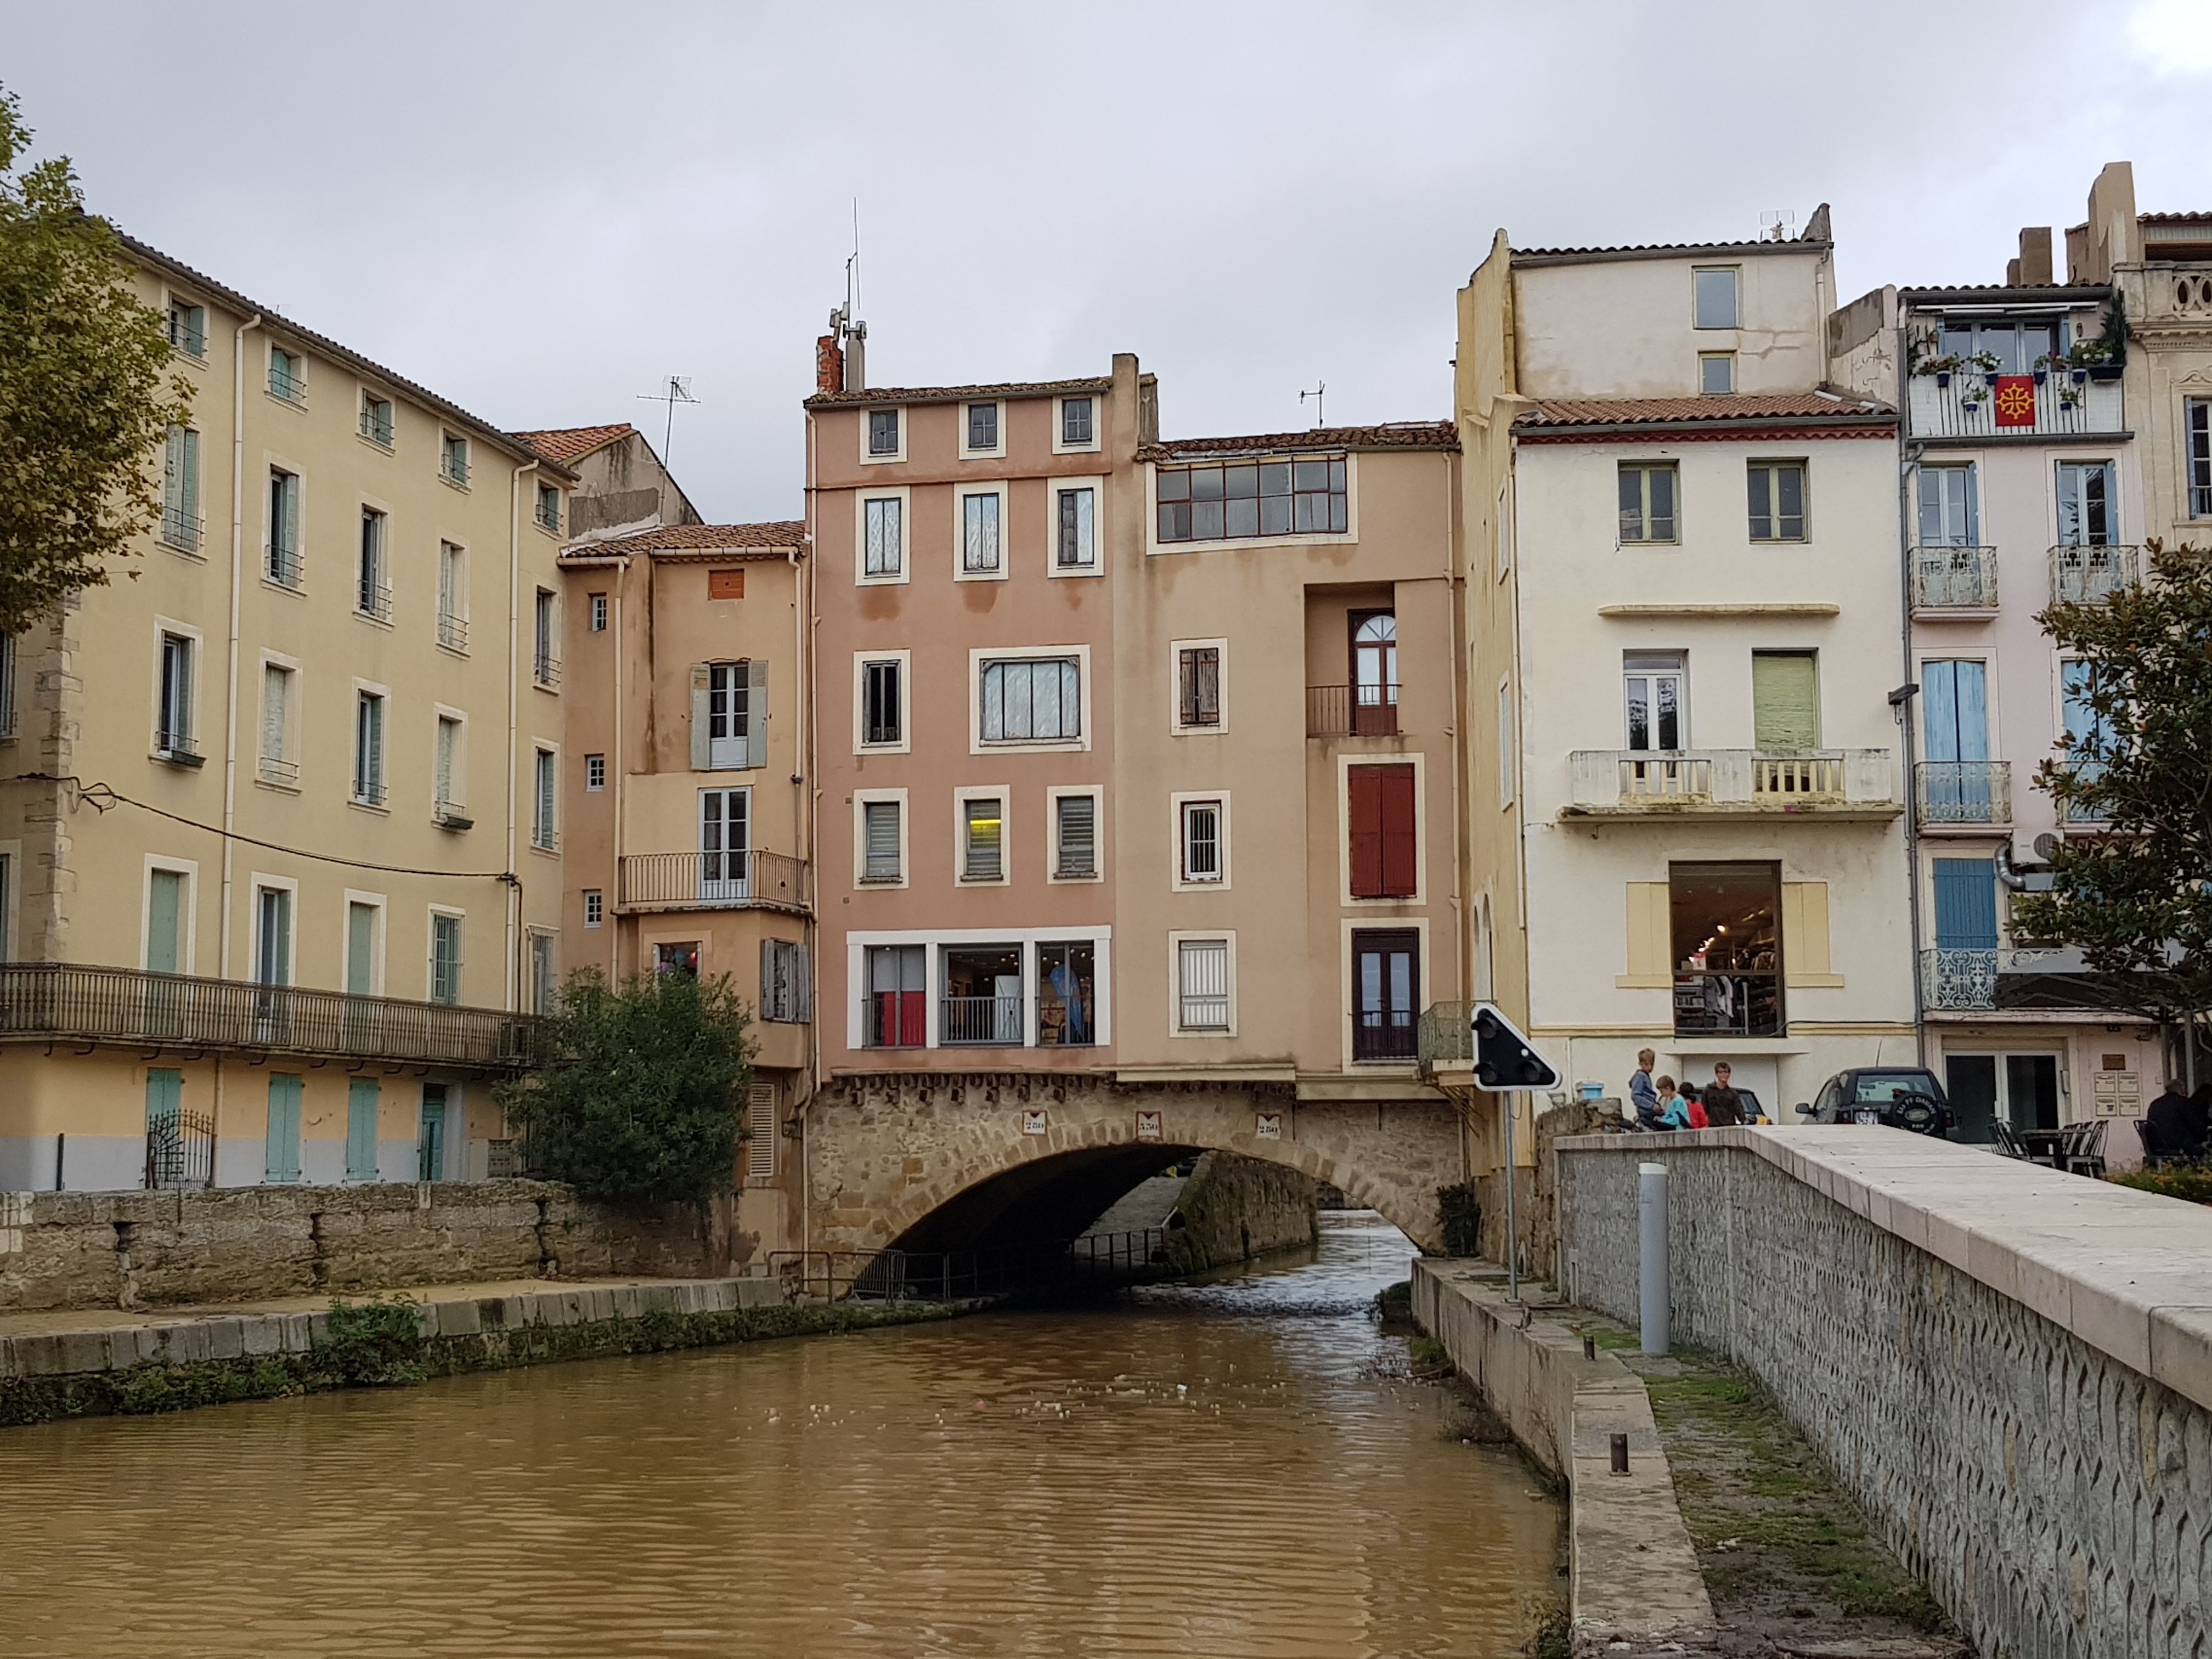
{"x": 2033, "y": 268}
{"x": 828, "y": 364}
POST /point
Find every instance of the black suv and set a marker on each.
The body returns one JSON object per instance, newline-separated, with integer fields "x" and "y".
{"x": 1897, "y": 1096}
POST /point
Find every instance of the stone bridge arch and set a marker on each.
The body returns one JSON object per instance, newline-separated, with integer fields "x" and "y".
{"x": 887, "y": 1153}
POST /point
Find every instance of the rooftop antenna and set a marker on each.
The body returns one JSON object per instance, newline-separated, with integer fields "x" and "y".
{"x": 1319, "y": 390}
{"x": 1776, "y": 225}
{"x": 851, "y": 333}
{"x": 678, "y": 391}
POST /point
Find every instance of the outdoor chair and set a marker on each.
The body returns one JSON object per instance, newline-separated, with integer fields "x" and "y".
{"x": 2155, "y": 1156}
{"x": 2008, "y": 1141}
{"x": 2082, "y": 1152}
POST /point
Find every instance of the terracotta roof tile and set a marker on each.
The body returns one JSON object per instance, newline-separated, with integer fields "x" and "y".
{"x": 780, "y": 536}
{"x": 1667, "y": 251}
{"x": 1735, "y": 406}
{"x": 2172, "y": 218}
{"x": 952, "y": 394}
{"x": 1396, "y": 434}
{"x": 570, "y": 444}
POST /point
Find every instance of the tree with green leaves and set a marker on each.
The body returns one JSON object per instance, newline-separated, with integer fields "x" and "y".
{"x": 2135, "y": 896}
{"x": 641, "y": 1096}
{"x": 86, "y": 395}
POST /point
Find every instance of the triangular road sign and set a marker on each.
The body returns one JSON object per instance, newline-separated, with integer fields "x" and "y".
{"x": 1505, "y": 1061}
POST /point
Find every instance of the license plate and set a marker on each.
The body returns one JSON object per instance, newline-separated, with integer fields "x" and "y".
{"x": 1863, "y": 1115}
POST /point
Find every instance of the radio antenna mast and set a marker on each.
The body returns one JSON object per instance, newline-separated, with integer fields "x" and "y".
{"x": 678, "y": 391}
{"x": 1319, "y": 390}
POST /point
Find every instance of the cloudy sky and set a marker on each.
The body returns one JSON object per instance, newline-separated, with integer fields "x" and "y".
{"x": 542, "y": 210}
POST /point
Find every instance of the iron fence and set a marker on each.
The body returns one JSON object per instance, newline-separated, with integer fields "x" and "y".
{"x": 180, "y": 1149}
{"x": 1102, "y": 1259}
{"x": 2091, "y": 574}
{"x": 1955, "y": 578}
{"x": 1964, "y": 791}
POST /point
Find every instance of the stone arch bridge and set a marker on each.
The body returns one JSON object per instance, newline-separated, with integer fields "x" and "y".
{"x": 935, "y": 1161}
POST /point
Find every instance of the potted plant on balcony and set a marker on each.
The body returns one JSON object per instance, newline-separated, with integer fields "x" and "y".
{"x": 1943, "y": 367}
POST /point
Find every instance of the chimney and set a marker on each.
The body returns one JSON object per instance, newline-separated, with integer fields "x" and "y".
{"x": 855, "y": 358}
{"x": 2033, "y": 268}
{"x": 828, "y": 365}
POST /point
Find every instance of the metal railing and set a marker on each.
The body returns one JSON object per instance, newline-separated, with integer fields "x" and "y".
{"x": 182, "y": 530}
{"x": 292, "y": 388}
{"x": 1727, "y": 1002}
{"x": 178, "y": 746}
{"x": 49, "y": 1001}
{"x": 1968, "y": 403}
{"x": 1955, "y": 579}
{"x": 1955, "y": 978}
{"x": 183, "y": 338}
{"x": 994, "y": 1020}
{"x": 1352, "y": 711}
{"x": 708, "y": 881}
{"x": 453, "y": 631}
{"x": 375, "y": 428}
{"x": 280, "y": 564}
{"x": 1446, "y": 1036}
{"x": 453, "y": 467}
{"x": 372, "y": 600}
{"x": 549, "y": 519}
{"x": 1386, "y": 1035}
{"x": 1963, "y": 791}
{"x": 180, "y": 1150}
{"x": 368, "y": 791}
{"x": 275, "y": 769}
{"x": 1099, "y": 1259}
{"x": 2091, "y": 575}
{"x": 545, "y": 669}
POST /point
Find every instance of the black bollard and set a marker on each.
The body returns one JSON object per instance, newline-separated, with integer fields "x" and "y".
{"x": 1620, "y": 1454}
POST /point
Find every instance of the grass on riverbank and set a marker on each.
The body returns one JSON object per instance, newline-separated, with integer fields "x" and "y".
{"x": 375, "y": 1344}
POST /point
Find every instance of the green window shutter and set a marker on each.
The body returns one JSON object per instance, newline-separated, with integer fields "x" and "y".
{"x": 360, "y": 950}
{"x": 165, "y": 1096}
{"x": 362, "y": 1101}
{"x": 189, "y": 461}
{"x": 757, "y": 712}
{"x": 1785, "y": 700}
{"x": 701, "y": 681}
{"x": 281, "y": 1161}
{"x": 165, "y": 922}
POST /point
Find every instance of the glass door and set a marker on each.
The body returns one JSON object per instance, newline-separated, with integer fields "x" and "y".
{"x": 724, "y": 846}
{"x": 728, "y": 698}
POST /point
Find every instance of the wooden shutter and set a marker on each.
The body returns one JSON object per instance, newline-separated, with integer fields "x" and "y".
{"x": 702, "y": 682}
{"x": 767, "y": 1007}
{"x": 1805, "y": 935}
{"x": 802, "y": 983}
{"x": 1401, "y": 832}
{"x": 1966, "y": 904}
{"x": 362, "y": 1099}
{"x": 1364, "y": 785}
{"x": 757, "y": 712}
{"x": 281, "y": 1162}
{"x": 760, "y": 1133}
{"x": 1650, "y": 937}
{"x": 276, "y": 717}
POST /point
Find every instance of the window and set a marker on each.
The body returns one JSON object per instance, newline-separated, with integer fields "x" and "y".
{"x": 1385, "y": 853}
{"x": 454, "y": 458}
{"x": 2199, "y": 422}
{"x": 896, "y": 986}
{"x": 1725, "y": 922}
{"x": 283, "y": 565}
{"x": 1075, "y": 543}
{"x": 1956, "y": 780}
{"x": 1253, "y": 499}
{"x": 275, "y": 764}
{"x": 545, "y": 642}
{"x": 288, "y": 374}
{"x": 1657, "y": 713}
{"x": 369, "y": 748}
{"x": 1198, "y": 686}
{"x": 1715, "y": 290}
{"x": 180, "y": 490}
{"x": 595, "y": 772}
{"x": 281, "y": 1146}
{"x": 598, "y": 613}
{"x": 376, "y": 418}
{"x": 1078, "y": 423}
{"x": 677, "y": 957}
{"x": 173, "y": 726}
{"x": 188, "y": 328}
{"x": 882, "y": 719}
{"x": 445, "y": 958}
{"x": 787, "y": 990}
{"x": 1785, "y": 701}
{"x": 880, "y": 841}
{"x": 272, "y": 939}
{"x": 1716, "y": 371}
{"x": 549, "y": 507}
{"x": 2091, "y": 736}
{"x": 1202, "y": 984}
{"x": 1204, "y": 856}
{"x": 544, "y": 834}
{"x": 1648, "y": 493}
{"x": 980, "y": 550}
{"x": 1386, "y": 992}
{"x": 1948, "y": 510}
{"x": 1031, "y": 700}
{"x": 2015, "y": 342}
{"x": 1507, "y": 743}
{"x": 594, "y": 907}
{"x": 1075, "y": 837}
{"x": 1374, "y": 673}
{"x": 983, "y": 427}
{"x": 2088, "y": 505}
{"x": 545, "y": 974}
{"x": 1066, "y": 999}
{"x": 1778, "y": 500}
{"x": 884, "y": 431}
{"x": 728, "y": 706}
{"x": 982, "y": 838}
{"x": 883, "y": 552}
{"x": 446, "y": 792}
{"x": 453, "y": 597}
{"x": 372, "y": 584}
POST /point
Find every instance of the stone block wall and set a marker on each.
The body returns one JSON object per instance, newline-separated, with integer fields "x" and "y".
{"x": 1234, "y": 1208}
{"x": 2056, "y": 1497}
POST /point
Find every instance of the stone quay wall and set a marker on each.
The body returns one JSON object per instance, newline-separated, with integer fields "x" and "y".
{"x": 1234, "y": 1208}
{"x": 2009, "y": 1368}
{"x": 127, "y": 1249}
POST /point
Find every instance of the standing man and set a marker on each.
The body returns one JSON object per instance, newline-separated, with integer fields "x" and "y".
{"x": 1643, "y": 1093}
{"x": 1723, "y": 1106}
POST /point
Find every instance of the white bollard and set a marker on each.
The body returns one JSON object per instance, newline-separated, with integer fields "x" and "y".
{"x": 1651, "y": 1240}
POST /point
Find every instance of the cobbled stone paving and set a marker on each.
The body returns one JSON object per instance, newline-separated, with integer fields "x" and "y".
{"x": 2058, "y": 1503}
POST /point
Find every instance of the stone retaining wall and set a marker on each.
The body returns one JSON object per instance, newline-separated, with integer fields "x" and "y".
{"x": 1234, "y": 1208}
{"x": 2009, "y": 1368}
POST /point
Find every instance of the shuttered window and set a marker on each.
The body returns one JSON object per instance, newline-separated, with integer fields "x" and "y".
{"x": 787, "y": 990}
{"x": 1202, "y": 984}
{"x": 1966, "y": 904}
{"x": 444, "y": 958}
{"x": 543, "y": 834}
{"x": 280, "y": 1160}
{"x": 983, "y": 820}
{"x": 879, "y": 835}
{"x": 760, "y": 1133}
{"x": 1199, "y": 686}
{"x": 363, "y": 1098}
{"x": 275, "y": 724}
{"x": 1385, "y": 837}
{"x": 1078, "y": 827}
{"x": 1785, "y": 700}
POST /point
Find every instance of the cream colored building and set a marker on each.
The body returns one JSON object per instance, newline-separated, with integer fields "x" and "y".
{"x": 285, "y": 864}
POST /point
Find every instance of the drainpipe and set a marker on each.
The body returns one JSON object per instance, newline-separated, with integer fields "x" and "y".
{"x": 514, "y": 703}
{"x": 1455, "y": 591}
{"x": 812, "y": 805}
{"x": 609, "y": 918}
{"x": 230, "y": 707}
{"x": 1909, "y": 455}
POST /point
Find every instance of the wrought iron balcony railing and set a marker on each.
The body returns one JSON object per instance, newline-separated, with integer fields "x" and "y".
{"x": 1352, "y": 711}
{"x": 994, "y": 1020}
{"x": 181, "y": 529}
{"x": 2091, "y": 575}
{"x": 1951, "y": 978}
{"x": 1963, "y": 791}
{"x": 712, "y": 881}
{"x": 453, "y": 631}
{"x": 130, "y": 1007}
{"x": 1955, "y": 579}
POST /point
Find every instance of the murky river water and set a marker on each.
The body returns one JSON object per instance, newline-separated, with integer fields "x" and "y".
{"x": 1233, "y": 1468}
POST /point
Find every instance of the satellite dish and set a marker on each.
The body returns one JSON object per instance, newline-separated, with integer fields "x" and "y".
{"x": 2046, "y": 845}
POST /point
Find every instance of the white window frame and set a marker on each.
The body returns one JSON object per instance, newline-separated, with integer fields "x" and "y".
{"x": 459, "y": 550}
{"x": 1096, "y": 486}
{"x": 385, "y": 561}
{"x": 1182, "y": 882}
{"x": 978, "y": 655}
{"x": 430, "y": 961}
{"x": 1736, "y": 271}
{"x": 1053, "y": 794}
{"x": 255, "y": 881}
{"x": 272, "y": 464}
{"x": 1653, "y": 669}
{"x": 1176, "y": 648}
{"x": 447, "y": 437}
{"x": 1508, "y": 745}
{"x": 297, "y": 374}
{"x": 1176, "y": 939}
{"x": 166, "y": 628}
{"x": 1155, "y": 547}
{"x": 867, "y": 410}
{"x": 1002, "y": 794}
{"x": 541, "y": 752}
{"x": 459, "y": 779}
{"x": 560, "y": 515}
{"x": 364, "y": 395}
{"x": 1098, "y": 401}
{"x": 595, "y": 774}
{"x": 962, "y": 493}
{"x": 600, "y": 610}
{"x": 594, "y": 906}
{"x": 295, "y": 721}
{"x": 369, "y": 688}
{"x": 860, "y": 660}
{"x": 177, "y": 299}
{"x": 935, "y": 942}
{"x": 187, "y": 945}
{"x": 904, "y": 497}
{"x": 861, "y": 797}
{"x": 377, "y": 902}
{"x": 967, "y": 452}
{"x": 1727, "y": 357}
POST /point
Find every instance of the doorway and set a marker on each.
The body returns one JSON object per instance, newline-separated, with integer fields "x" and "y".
{"x": 2018, "y": 1090}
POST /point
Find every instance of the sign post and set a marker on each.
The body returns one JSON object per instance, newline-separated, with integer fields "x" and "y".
{"x": 1506, "y": 1063}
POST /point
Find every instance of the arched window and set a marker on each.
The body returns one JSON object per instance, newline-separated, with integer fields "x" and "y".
{"x": 1374, "y": 671}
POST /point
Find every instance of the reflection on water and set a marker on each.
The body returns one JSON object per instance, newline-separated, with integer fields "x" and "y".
{"x": 1227, "y": 1469}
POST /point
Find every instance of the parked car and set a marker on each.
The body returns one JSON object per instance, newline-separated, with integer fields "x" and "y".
{"x": 1897, "y": 1096}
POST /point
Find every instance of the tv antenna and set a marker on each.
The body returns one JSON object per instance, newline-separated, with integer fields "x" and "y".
{"x": 1319, "y": 390}
{"x": 1775, "y": 225}
{"x": 677, "y": 390}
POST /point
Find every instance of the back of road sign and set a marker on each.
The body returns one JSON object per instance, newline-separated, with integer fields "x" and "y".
{"x": 1505, "y": 1061}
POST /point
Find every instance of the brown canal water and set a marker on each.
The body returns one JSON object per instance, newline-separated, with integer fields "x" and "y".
{"x": 1236, "y": 1467}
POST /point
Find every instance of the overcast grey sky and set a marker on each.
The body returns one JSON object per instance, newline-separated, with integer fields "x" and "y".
{"x": 542, "y": 211}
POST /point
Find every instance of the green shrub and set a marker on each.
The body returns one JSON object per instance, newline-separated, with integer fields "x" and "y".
{"x": 372, "y": 1342}
{"x": 1428, "y": 1354}
{"x": 1460, "y": 1218}
{"x": 2192, "y": 1182}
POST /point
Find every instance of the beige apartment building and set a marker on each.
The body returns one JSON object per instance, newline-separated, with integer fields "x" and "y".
{"x": 688, "y": 823}
{"x": 280, "y": 826}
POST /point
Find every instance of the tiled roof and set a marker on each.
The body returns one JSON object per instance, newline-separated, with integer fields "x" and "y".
{"x": 1735, "y": 406}
{"x": 2172, "y": 218}
{"x": 570, "y": 444}
{"x": 1998, "y": 294}
{"x": 330, "y": 347}
{"x": 1396, "y": 434}
{"x": 1525, "y": 256}
{"x": 953, "y": 394}
{"x": 780, "y": 536}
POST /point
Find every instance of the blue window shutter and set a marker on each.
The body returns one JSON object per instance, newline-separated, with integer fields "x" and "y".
{"x": 1966, "y": 904}
{"x": 280, "y": 1160}
{"x": 361, "y": 1129}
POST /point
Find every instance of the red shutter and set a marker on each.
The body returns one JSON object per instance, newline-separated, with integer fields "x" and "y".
{"x": 1365, "y": 784}
{"x": 1400, "y": 841}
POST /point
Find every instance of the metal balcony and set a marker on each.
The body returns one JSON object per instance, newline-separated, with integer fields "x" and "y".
{"x": 2091, "y": 575}
{"x": 1352, "y": 711}
{"x": 128, "y": 1007}
{"x": 1445, "y": 1038}
{"x": 1632, "y": 783}
{"x": 1955, "y": 979}
{"x": 713, "y": 881}
{"x": 1965, "y": 404}
{"x": 1955, "y": 579}
{"x": 1963, "y": 791}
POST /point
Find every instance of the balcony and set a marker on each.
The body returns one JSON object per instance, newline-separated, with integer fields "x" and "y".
{"x": 2091, "y": 575}
{"x": 545, "y": 671}
{"x": 178, "y": 748}
{"x": 276, "y": 769}
{"x": 1444, "y": 1040}
{"x": 1963, "y": 404}
{"x": 49, "y": 1002}
{"x": 2177, "y": 291}
{"x": 1352, "y": 711}
{"x": 1968, "y": 979}
{"x": 1730, "y": 783}
{"x": 712, "y": 881}
{"x": 372, "y": 600}
{"x": 181, "y": 529}
{"x": 1963, "y": 794}
{"x": 1949, "y": 580}
{"x": 453, "y": 631}
{"x": 989, "y": 1021}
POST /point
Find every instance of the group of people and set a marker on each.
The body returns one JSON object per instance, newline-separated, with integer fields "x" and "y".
{"x": 1660, "y": 1103}
{"x": 2177, "y": 1124}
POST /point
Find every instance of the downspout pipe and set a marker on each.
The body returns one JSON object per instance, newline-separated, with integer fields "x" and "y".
{"x": 1901, "y": 700}
{"x": 514, "y": 710}
{"x": 230, "y": 701}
